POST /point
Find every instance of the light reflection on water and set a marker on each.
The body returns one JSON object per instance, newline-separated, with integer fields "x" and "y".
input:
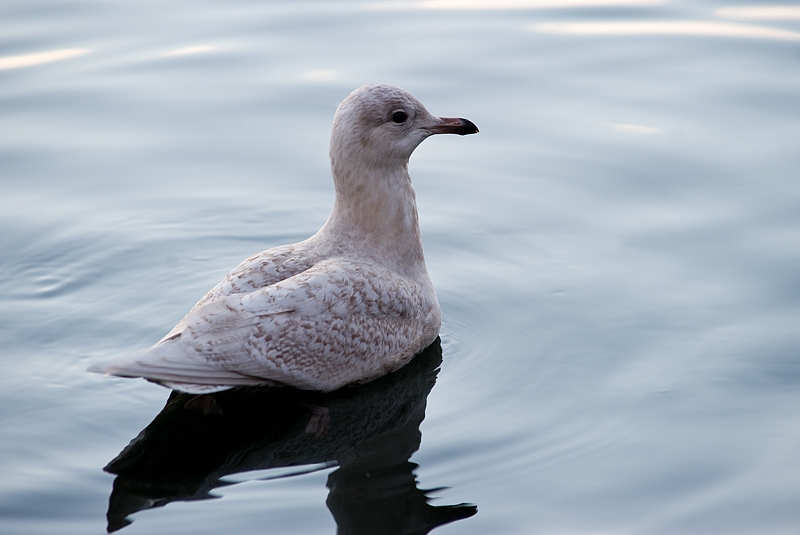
{"x": 616, "y": 253}
{"x": 695, "y": 28}
{"x": 759, "y": 12}
{"x": 503, "y": 5}
{"x": 40, "y": 58}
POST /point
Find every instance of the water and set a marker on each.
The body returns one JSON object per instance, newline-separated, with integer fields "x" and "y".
{"x": 617, "y": 253}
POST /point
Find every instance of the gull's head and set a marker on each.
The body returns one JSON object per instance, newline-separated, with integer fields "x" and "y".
{"x": 381, "y": 125}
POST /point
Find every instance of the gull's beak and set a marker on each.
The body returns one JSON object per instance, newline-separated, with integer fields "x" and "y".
{"x": 452, "y": 125}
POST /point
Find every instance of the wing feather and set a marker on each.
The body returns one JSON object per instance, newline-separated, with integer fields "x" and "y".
{"x": 321, "y": 328}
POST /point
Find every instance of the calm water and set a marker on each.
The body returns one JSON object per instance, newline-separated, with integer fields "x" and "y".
{"x": 617, "y": 255}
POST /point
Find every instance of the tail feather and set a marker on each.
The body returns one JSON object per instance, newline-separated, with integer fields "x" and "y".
{"x": 170, "y": 365}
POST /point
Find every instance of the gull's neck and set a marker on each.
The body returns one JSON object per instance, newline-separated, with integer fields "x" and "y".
{"x": 375, "y": 215}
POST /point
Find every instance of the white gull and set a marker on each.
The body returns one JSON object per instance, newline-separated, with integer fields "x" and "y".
{"x": 349, "y": 304}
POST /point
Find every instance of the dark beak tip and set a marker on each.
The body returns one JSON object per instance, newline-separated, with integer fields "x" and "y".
{"x": 453, "y": 125}
{"x": 466, "y": 128}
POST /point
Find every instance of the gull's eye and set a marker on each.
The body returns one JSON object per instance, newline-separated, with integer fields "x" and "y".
{"x": 399, "y": 117}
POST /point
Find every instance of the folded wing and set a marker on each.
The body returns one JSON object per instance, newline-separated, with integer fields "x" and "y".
{"x": 336, "y": 323}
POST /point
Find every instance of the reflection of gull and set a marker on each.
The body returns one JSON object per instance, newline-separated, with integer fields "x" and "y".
{"x": 371, "y": 431}
{"x": 349, "y": 304}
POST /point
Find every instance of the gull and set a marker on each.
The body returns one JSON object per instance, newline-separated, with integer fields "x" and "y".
{"x": 349, "y": 304}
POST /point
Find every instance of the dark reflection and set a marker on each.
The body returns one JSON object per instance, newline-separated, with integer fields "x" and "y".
{"x": 369, "y": 431}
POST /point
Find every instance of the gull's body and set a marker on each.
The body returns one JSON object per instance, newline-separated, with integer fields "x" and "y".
{"x": 347, "y": 305}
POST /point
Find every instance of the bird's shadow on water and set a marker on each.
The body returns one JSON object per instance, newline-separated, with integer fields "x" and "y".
{"x": 369, "y": 432}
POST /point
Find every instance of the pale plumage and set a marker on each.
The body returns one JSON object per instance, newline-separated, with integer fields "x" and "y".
{"x": 349, "y": 304}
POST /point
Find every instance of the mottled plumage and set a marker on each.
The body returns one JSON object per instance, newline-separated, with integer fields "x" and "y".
{"x": 349, "y": 304}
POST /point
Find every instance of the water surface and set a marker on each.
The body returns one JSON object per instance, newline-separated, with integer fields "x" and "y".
{"x": 617, "y": 253}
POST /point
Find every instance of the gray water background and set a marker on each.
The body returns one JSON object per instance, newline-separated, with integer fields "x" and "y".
{"x": 617, "y": 253}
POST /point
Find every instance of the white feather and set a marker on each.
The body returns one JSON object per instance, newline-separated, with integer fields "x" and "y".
{"x": 349, "y": 304}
